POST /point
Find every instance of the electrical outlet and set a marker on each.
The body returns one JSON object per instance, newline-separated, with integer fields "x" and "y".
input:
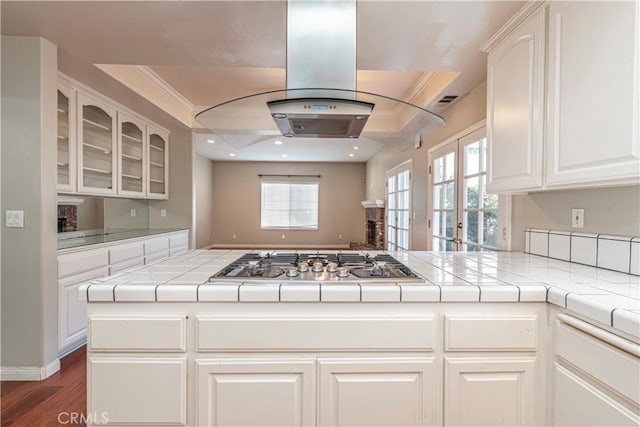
{"x": 163, "y": 212}
{"x": 340, "y": 236}
{"x": 133, "y": 212}
{"x": 283, "y": 237}
{"x": 577, "y": 218}
{"x": 234, "y": 237}
{"x": 15, "y": 219}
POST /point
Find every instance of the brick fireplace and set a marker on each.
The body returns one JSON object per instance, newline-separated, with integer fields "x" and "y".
{"x": 374, "y": 225}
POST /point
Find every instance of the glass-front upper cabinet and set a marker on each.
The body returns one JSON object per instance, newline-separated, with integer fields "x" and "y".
{"x": 132, "y": 156}
{"x": 96, "y": 146}
{"x": 158, "y": 151}
{"x": 66, "y": 139}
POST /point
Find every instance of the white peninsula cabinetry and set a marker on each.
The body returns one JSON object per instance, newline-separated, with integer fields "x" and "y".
{"x": 106, "y": 149}
{"x": 563, "y": 100}
{"x": 78, "y": 266}
{"x": 326, "y": 364}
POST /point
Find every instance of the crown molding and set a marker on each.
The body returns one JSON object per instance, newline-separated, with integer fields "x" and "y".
{"x": 163, "y": 85}
{"x": 420, "y": 85}
{"x": 511, "y": 24}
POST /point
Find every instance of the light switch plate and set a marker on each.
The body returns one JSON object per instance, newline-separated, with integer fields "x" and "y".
{"x": 15, "y": 219}
{"x": 133, "y": 212}
{"x": 577, "y": 218}
{"x": 163, "y": 212}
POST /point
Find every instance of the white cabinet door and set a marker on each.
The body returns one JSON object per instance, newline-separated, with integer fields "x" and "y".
{"x": 72, "y": 311}
{"x": 578, "y": 403}
{"x": 515, "y": 107}
{"x": 255, "y": 392}
{"x": 490, "y": 391}
{"x": 148, "y": 391}
{"x": 158, "y": 164}
{"x": 97, "y": 160}
{"x": 378, "y": 392}
{"x": 593, "y": 94}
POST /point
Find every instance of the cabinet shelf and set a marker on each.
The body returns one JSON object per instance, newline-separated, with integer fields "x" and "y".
{"x": 63, "y": 164}
{"x": 97, "y": 170}
{"x": 97, "y": 148}
{"x": 159, "y": 181}
{"x": 132, "y": 138}
{"x": 62, "y": 137}
{"x": 98, "y": 125}
{"x": 156, "y": 148}
{"x": 160, "y": 165}
{"x": 62, "y": 110}
{"x": 130, "y": 157}
{"x": 124, "y": 175}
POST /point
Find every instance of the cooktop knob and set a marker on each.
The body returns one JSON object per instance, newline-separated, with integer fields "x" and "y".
{"x": 343, "y": 272}
{"x": 292, "y": 272}
{"x": 318, "y": 267}
{"x": 332, "y": 267}
{"x": 303, "y": 266}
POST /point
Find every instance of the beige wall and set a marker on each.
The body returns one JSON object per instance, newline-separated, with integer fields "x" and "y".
{"x": 29, "y": 268}
{"x": 117, "y": 213}
{"x": 180, "y": 206}
{"x": 236, "y": 197}
{"x": 606, "y": 210}
{"x": 468, "y": 111}
{"x": 204, "y": 201}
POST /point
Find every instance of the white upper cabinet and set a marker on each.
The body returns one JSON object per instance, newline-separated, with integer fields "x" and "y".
{"x": 96, "y": 146}
{"x": 106, "y": 149}
{"x": 515, "y": 114}
{"x": 66, "y": 138}
{"x": 131, "y": 156}
{"x": 158, "y": 152}
{"x": 563, "y": 101}
{"x": 593, "y": 93}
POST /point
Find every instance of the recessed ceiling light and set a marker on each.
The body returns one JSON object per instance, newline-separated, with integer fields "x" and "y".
{"x": 284, "y": 155}
{"x": 277, "y": 142}
{"x": 210, "y": 141}
{"x": 232, "y": 154}
{"x": 351, "y": 154}
{"x": 355, "y": 148}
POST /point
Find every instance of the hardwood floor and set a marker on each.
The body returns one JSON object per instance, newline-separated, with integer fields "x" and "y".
{"x": 51, "y": 402}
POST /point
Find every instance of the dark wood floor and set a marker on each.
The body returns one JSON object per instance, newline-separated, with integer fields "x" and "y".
{"x": 40, "y": 403}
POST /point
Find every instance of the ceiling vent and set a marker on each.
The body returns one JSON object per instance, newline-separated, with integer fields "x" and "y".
{"x": 447, "y": 99}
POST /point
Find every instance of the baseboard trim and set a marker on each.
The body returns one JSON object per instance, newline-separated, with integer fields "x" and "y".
{"x": 258, "y": 246}
{"x": 29, "y": 373}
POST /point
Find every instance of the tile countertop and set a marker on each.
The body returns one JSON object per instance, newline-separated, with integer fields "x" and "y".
{"x": 606, "y": 296}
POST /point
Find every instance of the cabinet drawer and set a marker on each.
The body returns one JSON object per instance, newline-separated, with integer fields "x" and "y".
{"x": 79, "y": 262}
{"x": 142, "y": 333}
{"x": 218, "y": 333}
{"x": 178, "y": 240}
{"x": 138, "y": 391}
{"x": 618, "y": 369}
{"x": 113, "y": 269}
{"x": 125, "y": 252}
{"x": 160, "y": 244}
{"x": 178, "y": 250}
{"x": 491, "y": 333}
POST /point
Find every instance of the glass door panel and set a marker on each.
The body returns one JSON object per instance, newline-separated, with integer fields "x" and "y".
{"x": 398, "y": 208}
{"x": 131, "y": 158}
{"x": 64, "y": 147}
{"x": 443, "y": 169}
{"x": 158, "y": 151}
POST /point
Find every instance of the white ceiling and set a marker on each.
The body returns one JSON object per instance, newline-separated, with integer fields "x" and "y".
{"x": 213, "y": 51}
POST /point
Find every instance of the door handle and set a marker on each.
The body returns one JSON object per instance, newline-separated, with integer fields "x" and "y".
{"x": 460, "y": 226}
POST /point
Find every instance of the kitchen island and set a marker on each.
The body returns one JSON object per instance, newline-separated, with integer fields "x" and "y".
{"x": 166, "y": 347}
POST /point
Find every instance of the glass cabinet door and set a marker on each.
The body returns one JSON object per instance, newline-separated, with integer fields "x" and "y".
{"x": 66, "y": 141}
{"x": 96, "y": 147}
{"x": 132, "y": 157}
{"x": 158, "y": 167}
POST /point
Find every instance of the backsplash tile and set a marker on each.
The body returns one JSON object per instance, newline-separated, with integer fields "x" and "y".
{"x": 584, "y": 249}
{"x": 560, "y": 245}
{"x": 616, "y": 253}
{"x": 539, "y": 242}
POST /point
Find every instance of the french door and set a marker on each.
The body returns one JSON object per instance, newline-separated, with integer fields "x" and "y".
{"x": 398, "y": 207}
{"x": 463, "y": 215}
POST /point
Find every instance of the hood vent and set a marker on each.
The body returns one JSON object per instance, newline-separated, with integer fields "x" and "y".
{"x": 320, "y": 118}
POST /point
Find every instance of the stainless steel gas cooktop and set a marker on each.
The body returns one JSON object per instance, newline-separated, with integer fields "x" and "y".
{"x": 316, "y": 267}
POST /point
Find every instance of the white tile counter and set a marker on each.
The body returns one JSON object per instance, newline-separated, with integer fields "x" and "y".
{"x": 605, "y": 296}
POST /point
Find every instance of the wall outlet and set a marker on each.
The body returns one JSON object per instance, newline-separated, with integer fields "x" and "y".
{"x": 15, "y": 219}
{"x": 163, "y": 212}
{"x": 577, "y": 218}
{"x": 283, "y": 237}
{"x": 340, "y": 236}
{"x": 133, "y": 212}
{"x": 234, "y": 237}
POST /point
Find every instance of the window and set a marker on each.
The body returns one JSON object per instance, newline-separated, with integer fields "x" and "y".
{"x": 289, "y": 205}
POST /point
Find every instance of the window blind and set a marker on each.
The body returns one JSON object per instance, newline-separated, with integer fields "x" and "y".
{"x": 289, "y": 205}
